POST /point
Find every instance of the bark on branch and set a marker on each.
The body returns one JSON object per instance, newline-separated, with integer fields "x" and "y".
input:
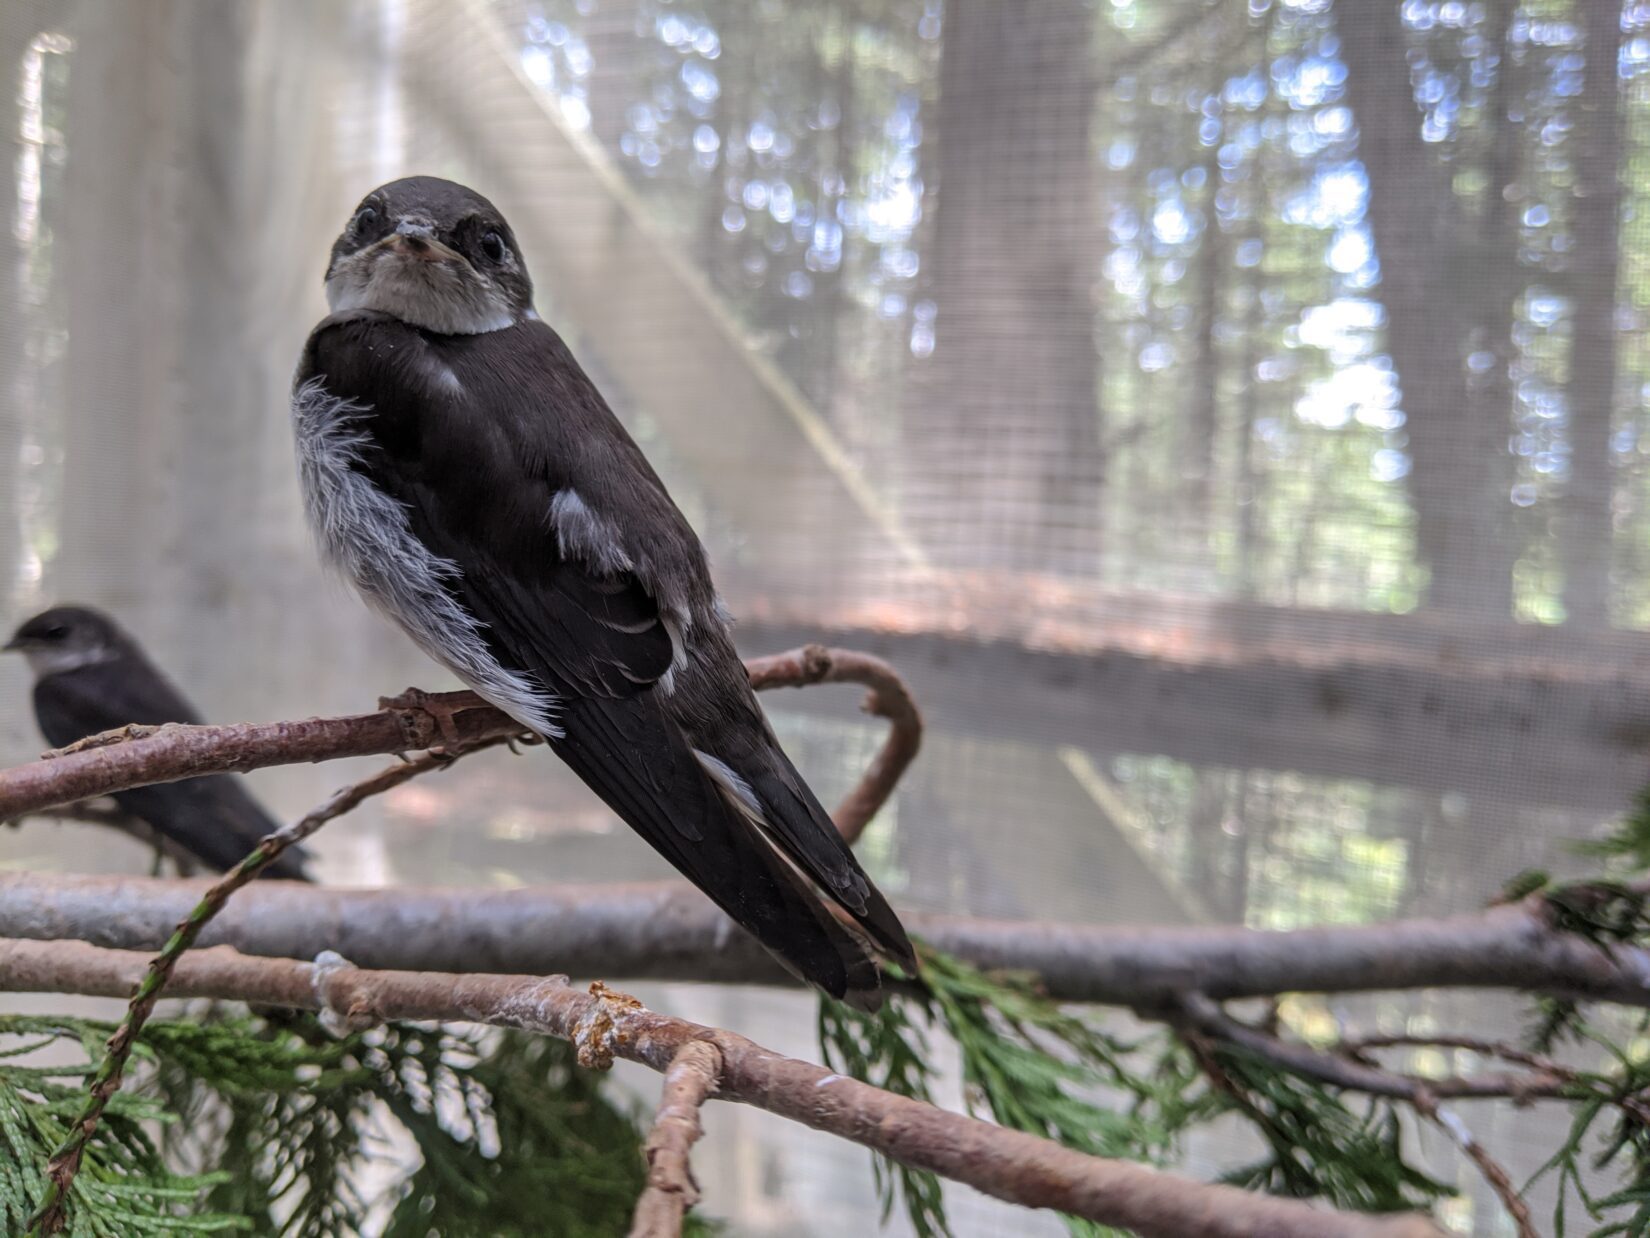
{"x": 64, "y": 1165}
{"x": 690, "y": 1080}
{"x": 887, "y": 697}
{"x": 1206, "y": 1019}
{"x": 1016, "y": 1167}
{"x": 665, "y": 930}
{"x": 141, "y": 756}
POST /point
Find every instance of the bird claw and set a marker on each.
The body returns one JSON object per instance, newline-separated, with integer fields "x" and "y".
{"x": 103, "y": 739}
{"x": 443, "y": 707}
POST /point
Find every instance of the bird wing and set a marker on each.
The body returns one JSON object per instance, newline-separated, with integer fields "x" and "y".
{"x": 478, "y": 469}
{"x": 797, "y": 822}
{"x": 105, "y": 695}
{"x": 214, "y": 817}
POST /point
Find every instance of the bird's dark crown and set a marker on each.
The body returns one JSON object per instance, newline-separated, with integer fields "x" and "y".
{"x": 68, "y": 627}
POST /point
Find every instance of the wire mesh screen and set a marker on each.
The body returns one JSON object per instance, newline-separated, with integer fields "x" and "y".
{"x": 1230, "y": 416}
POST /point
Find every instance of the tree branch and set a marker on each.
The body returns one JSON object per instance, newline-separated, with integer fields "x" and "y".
{"x": 65, "y": 1161}
{"x": 888, "y": 698}
{"x": 1492, "y": 1170}
{"x": 1214, "y": 1024}
{"x": 1344, "y": 1072}
{"x": 174, "y": 752}
{"x": 136, "y": 756}
{"x": 1009, "y": 1165}
{"x": 1349, "y": 1066}
{"x": 671, "y": 1190}
{"x": 666, "y": 930}
{"x": 142, "y": 756}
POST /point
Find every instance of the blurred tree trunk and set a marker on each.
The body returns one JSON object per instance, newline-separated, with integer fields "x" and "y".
{"x": 1498, "y": 280}
{"x": 1250, "y": 489}
{"x": 615, "y": 70}
{"x": 843, "y": 159}
{"x": 1586, "y": 528}
{"x": 168, "y": 422}
{"x": 19, "y": 24}
{"x": 121, "y": 412}
{"x": 1202, "y": 424}
{"x": 1002, "y": 431}
{"x": 1459, "y": 476}
{"x": 1215, "y": 875}
{"x": 808, "y": 351}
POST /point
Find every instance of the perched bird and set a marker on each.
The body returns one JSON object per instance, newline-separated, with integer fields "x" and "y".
{"x": 465, "y": 474}
{"x": 91, "y": 676}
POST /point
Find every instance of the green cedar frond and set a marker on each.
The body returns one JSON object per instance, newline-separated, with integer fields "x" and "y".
{"x": 1318, "y": 1145}
{"x": 1629, "y": 843}
{"x": 513, "y": 1139}
{"x": 125, "y": 1188}
{"x": 1026, "y": 1061}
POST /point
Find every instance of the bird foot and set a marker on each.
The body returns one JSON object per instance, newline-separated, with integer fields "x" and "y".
{"x": 443, "y": 707}
{"x": 103, "y": 739}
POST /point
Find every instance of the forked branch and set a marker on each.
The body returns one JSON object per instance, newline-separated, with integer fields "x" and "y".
{"x": 690, "y": 1080}
{"x": 143, "y": 756}
{"x": 1007, "y": 1164}
{"x": 139, "y": 756}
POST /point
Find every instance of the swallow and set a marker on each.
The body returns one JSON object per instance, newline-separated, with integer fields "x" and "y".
{"x": 90, "y": 676}
{"x": 463, "y": 472}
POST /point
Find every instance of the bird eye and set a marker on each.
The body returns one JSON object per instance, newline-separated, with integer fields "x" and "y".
{"x": 56, "y": 632}
{"x": 492, "y": 244}
{"x": 364, "y": 218}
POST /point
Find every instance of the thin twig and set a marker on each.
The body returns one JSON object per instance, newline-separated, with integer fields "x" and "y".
{"x": 1010, "y": 1165}
{"x": 1361, "y": 1045}
{"x": 1547, "y": 1078}
{"x": 1211, "y": 1023}
{"x": 1349, "y": 1066}
{"x": 671, "y": 1191}
{"x": 1346, "y": 1072}
{"x": 888, "y": 698}
{"x": 135, "y": 756}
{"x": 65, "y": 1160}
{"x": 90, "y": 812}
{"x": 109, "y": 816}
{"x": 1491, "y": 1169}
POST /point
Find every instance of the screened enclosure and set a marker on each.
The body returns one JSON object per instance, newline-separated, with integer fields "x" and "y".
{"x": 1232, "y": 418}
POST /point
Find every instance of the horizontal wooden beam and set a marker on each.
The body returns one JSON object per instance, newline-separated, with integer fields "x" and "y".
{"x": 1561, "y": 729}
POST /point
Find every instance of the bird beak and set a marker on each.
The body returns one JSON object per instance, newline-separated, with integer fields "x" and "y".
{"x": 14, "y": 645}
{"x": 416, "y": 239}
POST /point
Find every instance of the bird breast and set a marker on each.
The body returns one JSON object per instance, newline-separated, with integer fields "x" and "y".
{"x": 365, "y": 535}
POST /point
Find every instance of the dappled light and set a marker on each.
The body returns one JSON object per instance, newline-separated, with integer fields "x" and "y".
{"x": 1231, "y": 416}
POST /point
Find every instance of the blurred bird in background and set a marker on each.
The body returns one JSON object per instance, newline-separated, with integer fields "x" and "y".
{"x": 91, "y": 676}
{"x": 462, "y": 470}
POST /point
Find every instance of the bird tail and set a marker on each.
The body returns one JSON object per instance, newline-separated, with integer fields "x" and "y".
{"x": 213, "y": 818}
{"x": 640, "y": 763}
{"x": 793, "y": 817}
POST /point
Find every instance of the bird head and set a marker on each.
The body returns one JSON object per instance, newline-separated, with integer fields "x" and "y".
{"x": 433, "y": 254}
{"x": 66, "y": 638}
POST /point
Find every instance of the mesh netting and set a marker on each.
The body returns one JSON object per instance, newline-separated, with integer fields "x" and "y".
{"x": 1229, "y": 417}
